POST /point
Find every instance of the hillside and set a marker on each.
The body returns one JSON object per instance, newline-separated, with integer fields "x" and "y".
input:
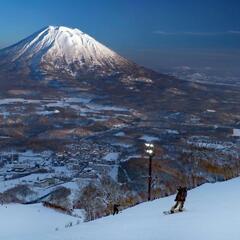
{"x": 211, "y": 214}
{"x": 69, "y": 126}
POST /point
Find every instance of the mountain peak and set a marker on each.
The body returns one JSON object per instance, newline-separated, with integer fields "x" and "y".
{"x": 62, "y": 29}
{"x": 59, "y": 48}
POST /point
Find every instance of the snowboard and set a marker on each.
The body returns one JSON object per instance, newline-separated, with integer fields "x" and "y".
{"x": 176, "y": 211}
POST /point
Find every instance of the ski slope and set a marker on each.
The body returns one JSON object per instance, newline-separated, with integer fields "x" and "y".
{"x": 20, "y": 222}
{"x": 213, "y": 213}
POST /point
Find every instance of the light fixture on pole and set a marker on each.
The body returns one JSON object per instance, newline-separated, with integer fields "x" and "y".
{"x": 149, "y": 149}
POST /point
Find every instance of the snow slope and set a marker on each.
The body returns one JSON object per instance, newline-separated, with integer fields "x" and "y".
{"x": 20, "y": 222}
{"x": 212, "y": 214}
{"x": 58, "y": 48}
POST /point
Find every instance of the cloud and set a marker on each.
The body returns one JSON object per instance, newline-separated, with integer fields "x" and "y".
{"x": 183, "y": 68}
{"x": 159, "y": 32}
{"x": 197, "y": 76}
{"x": 230, "y": 32}
{"x": 163, "y": 32}
{"x": 234, "y": 31}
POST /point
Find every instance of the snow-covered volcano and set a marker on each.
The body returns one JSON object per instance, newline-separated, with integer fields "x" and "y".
{"x": 61, "y": 50}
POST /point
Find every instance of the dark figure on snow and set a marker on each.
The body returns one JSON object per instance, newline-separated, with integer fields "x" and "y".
{"x": 180, "y": 199}
{"x": 115, "y": 209}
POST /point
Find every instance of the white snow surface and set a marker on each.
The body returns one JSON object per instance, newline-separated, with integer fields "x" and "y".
{"x": 111, "y": 156}
{"x": 212, "y": 213}
{"x": 149, "y": 138}
{"x": 26, "y": 222}
{"x": 60, "y": 47}
{"x": 236, "y": 132}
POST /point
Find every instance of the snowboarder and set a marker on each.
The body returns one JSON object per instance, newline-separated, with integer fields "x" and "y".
{"x": 180, "y": 199}
{"x": 115, "y": 209}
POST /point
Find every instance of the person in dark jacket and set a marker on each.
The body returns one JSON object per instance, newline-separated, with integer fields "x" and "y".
{"x": 115, "y": 209}
{"x": 180, "y": 199}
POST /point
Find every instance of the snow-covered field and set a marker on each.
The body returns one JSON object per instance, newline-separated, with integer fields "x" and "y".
{"x": 212, "y": 213}
{"x": 236, "y": 132}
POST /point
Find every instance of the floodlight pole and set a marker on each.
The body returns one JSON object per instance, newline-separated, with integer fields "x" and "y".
{"x": 149, "y": 177}
{"x": 150, "y": 151}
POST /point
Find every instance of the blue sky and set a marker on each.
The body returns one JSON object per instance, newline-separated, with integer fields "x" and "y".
{"x": 156, "y": 33}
